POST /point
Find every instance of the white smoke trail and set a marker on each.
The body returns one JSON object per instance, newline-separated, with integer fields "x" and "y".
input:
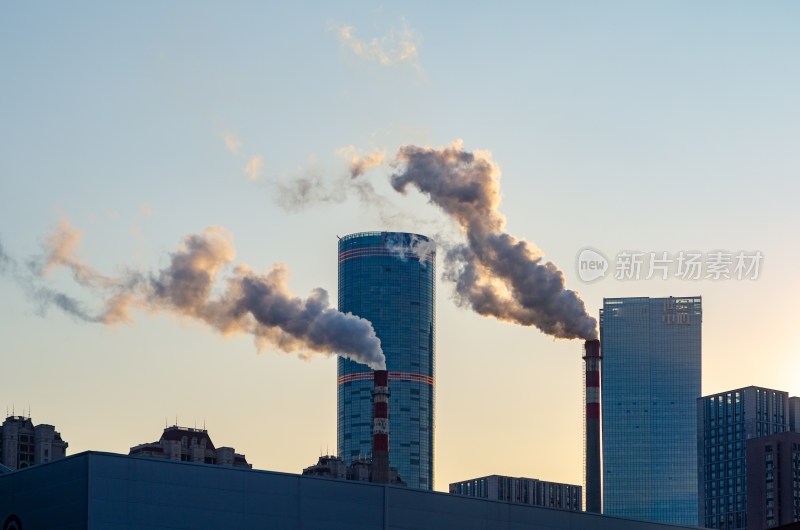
{"x": 494, "y": 273}
{"x": 259, "y": 304}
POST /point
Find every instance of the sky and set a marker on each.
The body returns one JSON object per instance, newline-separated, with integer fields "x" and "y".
{"x": 623, "y": 127}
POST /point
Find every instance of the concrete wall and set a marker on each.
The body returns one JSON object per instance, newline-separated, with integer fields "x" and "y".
{"x": 116, "y": 492}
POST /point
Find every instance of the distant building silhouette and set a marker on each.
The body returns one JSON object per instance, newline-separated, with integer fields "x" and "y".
{"x": 773, "y": 480}
{"x": 185, "y": 444}
{"x": 794, "y": 414}
{"x": 359, "y": 470}
{"x": 22, "y": 444}
{"x": 521, "y": 491}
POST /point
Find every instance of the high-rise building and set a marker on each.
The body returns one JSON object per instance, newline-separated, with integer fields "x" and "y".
{"x": 650, "y": 384}
{"x": 186, "y": 444}
{"x": 725, "y": 423}
{"x": 388, "y": 278}
{"x": 22, "y": 444}
{"x": 521, "y": 491}
{"x": 773, "y": 480}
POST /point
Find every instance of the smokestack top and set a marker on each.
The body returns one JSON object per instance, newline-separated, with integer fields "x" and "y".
{"x": 592, "y": 348}
{"x": 381, "y": 378}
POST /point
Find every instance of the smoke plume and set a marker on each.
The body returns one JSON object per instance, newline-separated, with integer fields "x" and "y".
{"x": 399, "y": 47}
{"x": 360, "y": 164}
{"x": 259, "y": 304}
{"x": 28, "y": 278}
{"x": 61, "y": 249}
{"x": 309, "y": 187}
{"x": 5, "y": 259}
{"x": 494, "y": 273}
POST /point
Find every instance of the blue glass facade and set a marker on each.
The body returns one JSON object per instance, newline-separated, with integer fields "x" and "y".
{"x": 389, "y": 279}
{"x": 650, "y": 384}
{"x": 725, "y": 422}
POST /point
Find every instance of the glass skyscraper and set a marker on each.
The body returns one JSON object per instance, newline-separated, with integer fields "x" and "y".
{"x": 389, "y": 279}
{"x": 725, "y": 422}
{"x": 650, "y": 384}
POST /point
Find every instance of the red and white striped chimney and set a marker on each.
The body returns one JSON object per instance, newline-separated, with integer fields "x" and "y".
{"x": 380, "y": 428}
{"x": 593, "y": 475}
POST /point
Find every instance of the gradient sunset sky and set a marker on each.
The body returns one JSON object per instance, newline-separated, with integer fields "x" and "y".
{"x": 621, "y": 126}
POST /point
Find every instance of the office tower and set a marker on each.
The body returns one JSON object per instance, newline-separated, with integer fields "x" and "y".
{"x": 186, "y": 444}
{"x": 650, "y": 384}
{"x": 521, "y": 491}
{"x": 773, "y": 480}
{"x": 725, "y": 423}
{"x": 22, "y": 444}
{"x": 388, "y": 278}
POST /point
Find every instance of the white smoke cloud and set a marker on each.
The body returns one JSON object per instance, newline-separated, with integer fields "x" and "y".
{"x": 44, "y": 296}
{"x": 358, "y": 163}
{"x": 232, "y": 143}
{"x": 309, "y": 187}
{"x": 61, "y": 250}
{"x": 494, "y": 273}
{"x": 254, "y": 167}
{"x": 259, "y": 304}
{"x": 396, "y": 47}
{"x": 420, "y": 247}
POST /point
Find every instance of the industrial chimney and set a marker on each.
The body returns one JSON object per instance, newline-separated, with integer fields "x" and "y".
{"x": 380, "y": 428}
{"x": 593, "y": 357}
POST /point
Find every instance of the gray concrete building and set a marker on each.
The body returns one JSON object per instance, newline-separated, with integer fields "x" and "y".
{"x": 94, "y": 491}
{"x": 522, "y": 490}
{"x": 24, "y": 444}
{"x": 185, "y": 444}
